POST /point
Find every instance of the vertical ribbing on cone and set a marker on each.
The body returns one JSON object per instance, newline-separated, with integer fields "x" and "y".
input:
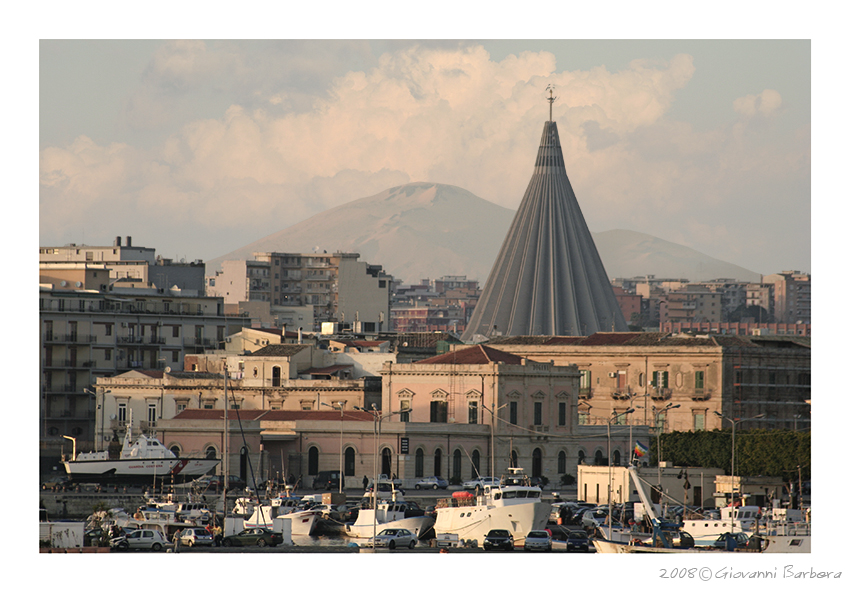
{"x": 548, "y": 278}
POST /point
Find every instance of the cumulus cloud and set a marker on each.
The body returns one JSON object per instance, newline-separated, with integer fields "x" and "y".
{"x": 450, "y": 115}
{"x": 765, "y": 104}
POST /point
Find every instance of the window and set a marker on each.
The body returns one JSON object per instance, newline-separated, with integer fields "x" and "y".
{"x": 181, "y": 406}
{"x": 699, "y": 381}
{"x": 585, "y": 383}
{"x": 584, "y": 418}
{"x": 476, "y": 463}
{"x": 175, "y": 332}
{"x": 514, "y": 411}
{"x": 438, "y": 462}
{"x": 659, "y": 379}
{"x": 457, "y": 461}
{"x": 439, "y": 412}
{"x": 108, "y": 329}
{"x": 152, "y": 412}
{"x": 562, "y": 462}
{"x": 473, "y": 412}
{"x": 562, "y": 414}
{"x": 122, "y": 412}
{"x": 107, "y": 354}
{"x": 699, "y": 421}
{"x": 538, "y": 413}
{"x": 419, "y": 464}
{"x": 404, "y": 408}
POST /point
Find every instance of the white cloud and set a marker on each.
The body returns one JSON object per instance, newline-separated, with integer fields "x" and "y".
{"x": 766, "y": 104}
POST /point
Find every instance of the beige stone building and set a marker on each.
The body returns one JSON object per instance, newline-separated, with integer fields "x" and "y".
{"x": 736, "y": 375}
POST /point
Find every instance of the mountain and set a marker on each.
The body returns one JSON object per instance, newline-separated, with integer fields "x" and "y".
{"x": 427, "y": 230}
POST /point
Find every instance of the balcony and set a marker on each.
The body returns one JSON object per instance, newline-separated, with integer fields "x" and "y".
{"x": 701, "y": 394}
{"x": 661, "y": 393}
{"x": 585, "y": 393}
{"x": 622, "y": 393}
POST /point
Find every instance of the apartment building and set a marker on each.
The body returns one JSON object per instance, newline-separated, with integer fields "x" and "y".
{"x": 88, "y": 335}
{"x": 792, "y": 296}
{"x": 332, "y": 287}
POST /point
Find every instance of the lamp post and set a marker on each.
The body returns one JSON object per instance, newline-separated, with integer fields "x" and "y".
{"x": 492, "y": 436}
{"x": 655, "y": 413}
{"x": 378, "y": 418}
{"x": 734, "y": 423}
{"x": 339, "y": 404}
{"x": 610, "y": 475}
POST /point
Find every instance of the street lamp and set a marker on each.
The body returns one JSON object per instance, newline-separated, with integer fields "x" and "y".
{"x": 492, "y": 436}
{"x": 610, "y": 476}
{"x": 655, "y": 413}
{"x": 340, "y": 438}
{"x": 734, "y": 423}
{"x": 379, "y": 418}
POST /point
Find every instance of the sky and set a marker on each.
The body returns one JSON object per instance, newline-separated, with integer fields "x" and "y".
{"x": 198, "y": 147}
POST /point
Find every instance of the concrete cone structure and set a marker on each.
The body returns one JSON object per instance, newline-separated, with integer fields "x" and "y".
{"x": 548, "y": 278}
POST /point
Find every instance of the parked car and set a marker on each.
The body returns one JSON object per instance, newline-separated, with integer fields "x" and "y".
{"x": 196, "y": 536}
{"x": 498, "y": 539}
{"x": 140, "y": 539}
{"x": 254, "y": 536}
{"x": 480, "y": 482}
{"x": 434, "y": 482}
{"x": 328, "y": 480}
{"x": 393, "y": 538}
{"x": 540, "y": 481}
{"x": 740, "y": 538}
{"x": 577, "y": 541}
{"x": 538, "y": 539}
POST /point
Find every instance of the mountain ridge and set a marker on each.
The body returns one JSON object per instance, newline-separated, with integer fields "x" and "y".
{"x": 428, "y": 230}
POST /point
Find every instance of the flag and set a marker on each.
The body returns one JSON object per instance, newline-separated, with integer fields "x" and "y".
{"x": 640, "y": 449}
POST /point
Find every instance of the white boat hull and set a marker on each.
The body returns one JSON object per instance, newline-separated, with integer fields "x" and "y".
{"x": 473, "y": 522}
{"x": 787, "y": 544}
{"x": 419, "y": 526}
{"x": 137, "y": 470}
{"x": 303, "y": 522}
{"x": 609, "y": 547}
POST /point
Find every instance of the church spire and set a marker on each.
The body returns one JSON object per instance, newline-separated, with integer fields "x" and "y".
{"x": 548, "y": 278}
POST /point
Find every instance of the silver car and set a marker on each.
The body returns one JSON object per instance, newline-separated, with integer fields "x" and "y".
{"x": 196, "y": 536}
{"x": 538, "y": 539}
{"x": 393, "y": 538}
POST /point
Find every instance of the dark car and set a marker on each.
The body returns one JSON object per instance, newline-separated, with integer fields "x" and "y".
{"x": 57, "y": 484}
{"x": 254, "y": 536}
{"x": 498, "y": 539}
{"x": 740, "y": 540}
{"x": 577, "y": 541}
{"x": 328, "y": 480}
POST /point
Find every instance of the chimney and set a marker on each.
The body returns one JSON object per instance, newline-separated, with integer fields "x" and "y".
{"x": 118, "y": 241}
{"x": 129, "y": 241}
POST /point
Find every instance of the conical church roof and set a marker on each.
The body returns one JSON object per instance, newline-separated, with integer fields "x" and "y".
{"x": 548, "y": 278}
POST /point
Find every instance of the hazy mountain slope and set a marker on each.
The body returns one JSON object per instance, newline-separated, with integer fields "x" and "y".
{"x": 427, "y": 230}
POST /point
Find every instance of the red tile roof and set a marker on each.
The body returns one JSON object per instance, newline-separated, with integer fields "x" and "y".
{"x": 475, "y": 355}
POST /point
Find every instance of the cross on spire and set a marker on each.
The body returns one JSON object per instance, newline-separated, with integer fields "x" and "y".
{"x": 551, "y": 100}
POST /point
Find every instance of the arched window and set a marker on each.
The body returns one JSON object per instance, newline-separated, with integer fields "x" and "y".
{"x": 175, "y": 449}
{"x": 514, "y": 459}
{"x": 598, "y": 458}
{"x": 438, "y": 462}
{"x": 211, "y": 453}
{"x": 581, "y": 456}
{"x": 562, "y": 462}
{"x": 456, "y": 463}
{"x": 476, "y": 463}
{"x": 348, "y": 466}
{"x": 616, "y": 457}
{"x": 386, "y": 461}
{"x": 419, "y": 464}
{"x": 276, "y": 376}
{"x": 537, "y": 462}
{"x": 313, "y": 461}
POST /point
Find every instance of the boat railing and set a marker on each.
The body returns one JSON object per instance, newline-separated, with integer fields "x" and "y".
{"x": 787, "y": 529}
{"x": 455, "y": 502}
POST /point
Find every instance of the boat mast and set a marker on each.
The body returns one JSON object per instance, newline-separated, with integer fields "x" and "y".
{"x": 225, "y": 480}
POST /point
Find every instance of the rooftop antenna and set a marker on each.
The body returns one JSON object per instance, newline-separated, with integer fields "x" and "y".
{"x": 552, "y": 98}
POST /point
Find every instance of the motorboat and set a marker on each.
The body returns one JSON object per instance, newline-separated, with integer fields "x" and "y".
{"x": 139, "y": 460}
{"x": 303, "y": 520}
{"x": 513, "y": 504}
{"x": 705, "y": 530}
{"x": 391, "y": 513}
{"x": 786, "y": 531}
